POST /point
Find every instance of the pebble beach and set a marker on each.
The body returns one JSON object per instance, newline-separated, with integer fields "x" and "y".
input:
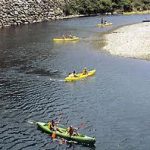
{"x": 129, "y": 41}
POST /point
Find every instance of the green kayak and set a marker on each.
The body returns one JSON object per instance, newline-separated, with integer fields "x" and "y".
{"x": 80, "y": 138}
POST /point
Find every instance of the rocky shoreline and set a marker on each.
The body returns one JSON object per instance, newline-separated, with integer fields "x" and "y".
{"x": 130, "y": 41}
{"x": 17, "y": 12}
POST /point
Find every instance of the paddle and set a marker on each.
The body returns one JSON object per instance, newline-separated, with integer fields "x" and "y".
{"x": 81, "y": 125}
{"x": 77, "y": 127}
{"x": 53, "y": 135}
{"x": 63, "y": 141}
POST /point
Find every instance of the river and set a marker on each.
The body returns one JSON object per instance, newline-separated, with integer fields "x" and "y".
{"x": 113, "y": 105}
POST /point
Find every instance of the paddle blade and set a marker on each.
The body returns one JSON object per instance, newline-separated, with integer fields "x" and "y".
{"x": 53, "y": 135}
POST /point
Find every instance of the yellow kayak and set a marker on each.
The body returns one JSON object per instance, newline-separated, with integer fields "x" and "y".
{"x": 104, "y": 25}
{"x": 74, "y": 38}
{"x": 79, "y": 76}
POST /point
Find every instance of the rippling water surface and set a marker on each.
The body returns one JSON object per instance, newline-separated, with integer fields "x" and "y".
{"x": 113, "y": 105}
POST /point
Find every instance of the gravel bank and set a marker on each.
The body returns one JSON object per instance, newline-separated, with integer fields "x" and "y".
{"x": 130, "y": 41}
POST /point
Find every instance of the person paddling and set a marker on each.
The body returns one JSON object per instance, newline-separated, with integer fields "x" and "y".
{"x": 51, "y": 125}
{"x": 72, "y": 74}
{"x": 102, "y": 20}
{"x": 105, "y": 22}
{"x": 70, "y": 36}
{"x": 84, "y": 71}
{"x": 72, "y": 131}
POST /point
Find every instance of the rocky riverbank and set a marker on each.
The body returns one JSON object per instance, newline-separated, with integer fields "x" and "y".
{"x": 17, "y": 12}
{"x": 130, "y": 41}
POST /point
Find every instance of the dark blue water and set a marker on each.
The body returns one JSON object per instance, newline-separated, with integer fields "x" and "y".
{"x": 113, "y": 105}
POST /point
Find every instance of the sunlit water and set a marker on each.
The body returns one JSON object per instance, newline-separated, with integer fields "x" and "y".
{"x": 113, "y": 105}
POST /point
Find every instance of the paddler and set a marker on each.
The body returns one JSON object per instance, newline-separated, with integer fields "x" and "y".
{"x": 102, "y": 20}
{"x": 72, "y": 131}
{"x": 63, "y": 36}
{"x": 84, "y": 71}
{"x": 70, "y": 36}
{"x": 73, "y": 74}
{"x": 51, "y": 125}
{"x": 105, "y": 22}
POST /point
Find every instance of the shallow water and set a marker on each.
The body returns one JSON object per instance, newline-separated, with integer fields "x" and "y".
{"x": 113, "y": 105}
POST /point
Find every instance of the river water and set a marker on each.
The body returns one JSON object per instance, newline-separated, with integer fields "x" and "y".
{"x": 113, "y": 105}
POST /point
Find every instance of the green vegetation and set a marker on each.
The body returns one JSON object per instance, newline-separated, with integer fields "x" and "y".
{"x": 105, "y": 6}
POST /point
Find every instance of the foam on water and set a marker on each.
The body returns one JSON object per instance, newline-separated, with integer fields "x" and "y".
{"x": 56, "y": 80}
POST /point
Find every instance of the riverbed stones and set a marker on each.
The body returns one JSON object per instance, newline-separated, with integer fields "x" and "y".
{"x": 17, "y": 12}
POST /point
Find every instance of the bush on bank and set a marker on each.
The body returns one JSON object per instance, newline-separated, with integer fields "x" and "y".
{"x": 104, "y": 6}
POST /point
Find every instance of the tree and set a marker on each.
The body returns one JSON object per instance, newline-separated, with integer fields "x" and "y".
{"x": 103, "y": 6}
